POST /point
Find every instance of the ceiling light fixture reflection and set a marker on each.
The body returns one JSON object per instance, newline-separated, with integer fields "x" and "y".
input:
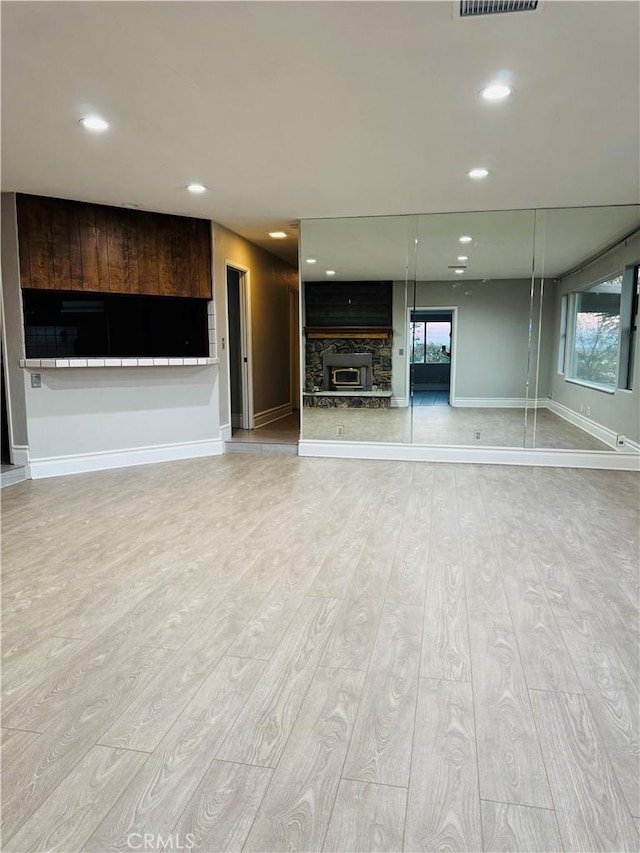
{"x": 196, "y": 188}
{"x": 466, "y": 239}
{"x": 462, "y": 258}
{"x": 94, "y": 123}
{"x": 496, "y": 92}
{"x": 458, "y": 271}
{"x": 478, "y": 173}
{"x": 311, "y": 260}
{"x": 278, "y": 235}
{"x": 331, "y": 272}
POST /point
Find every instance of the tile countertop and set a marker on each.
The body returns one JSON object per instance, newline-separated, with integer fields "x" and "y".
{"x": 55, "y": 363}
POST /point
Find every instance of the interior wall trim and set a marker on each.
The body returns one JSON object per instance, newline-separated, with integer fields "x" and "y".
{"x": 60, "y": 466}
{"x": 493, "y": 402}
{"x": 268, "y": 416}
{"x": 602, "y": 459}
{"x": 226, "y": 432}
{"x": 399, "y": 402}
{"x": 602, "y": 433}
{"x": 20, "y": 455}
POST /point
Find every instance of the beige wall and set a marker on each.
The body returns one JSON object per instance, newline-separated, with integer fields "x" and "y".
{"x": 618, "y": 411}
{"x": 270, "y": 281}
{"x": 492, "y": 346}
{"x": 12, "y": 324}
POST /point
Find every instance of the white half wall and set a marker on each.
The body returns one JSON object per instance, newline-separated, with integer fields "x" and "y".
{"x": 84, "y": 412}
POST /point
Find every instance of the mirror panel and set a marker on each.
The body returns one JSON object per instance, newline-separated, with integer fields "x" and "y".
{"x": 355, "y": 275}
{"x": 473, "y": 274}
{"x": 533, "y": 344}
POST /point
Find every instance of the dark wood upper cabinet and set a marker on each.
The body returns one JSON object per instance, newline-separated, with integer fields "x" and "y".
{"x": 70, "y": 245}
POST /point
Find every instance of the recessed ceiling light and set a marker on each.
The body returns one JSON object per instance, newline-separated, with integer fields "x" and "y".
{"x": 463, "y": 257}
{"x": 478, "y": 173}
{"x": 458, "y": 272}
{"x": 496, "y": 92}
{"x": 278, "y": 235}
{"x": 94, "y": 123}
{"x": 331, "y": 272}
{"x": 196, "y": 188}
{"x": 311, "y": 260}
{"x": 466, "y": 239}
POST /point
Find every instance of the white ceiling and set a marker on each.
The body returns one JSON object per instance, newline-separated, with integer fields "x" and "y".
{"x": 288, "y": 110}
{"x": 505, "y": 244}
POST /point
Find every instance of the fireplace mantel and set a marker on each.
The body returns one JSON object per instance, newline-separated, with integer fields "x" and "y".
{"x": 348, "y": 332}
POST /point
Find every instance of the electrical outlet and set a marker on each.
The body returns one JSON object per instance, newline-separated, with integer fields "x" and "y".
{"x": 477, "y": 434}
{"x": 588, "y": 411}
{"x": 36, "y": 380}
{"x": 400, "y": 352}
{"x": 621, "y": 440}
{"x": 340, "y": 431}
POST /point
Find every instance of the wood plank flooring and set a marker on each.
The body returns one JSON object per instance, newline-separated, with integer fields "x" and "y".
{"x": 278, "y": 653}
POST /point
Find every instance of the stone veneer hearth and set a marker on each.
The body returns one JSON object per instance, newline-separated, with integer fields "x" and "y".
{"x": 379, "y": 348}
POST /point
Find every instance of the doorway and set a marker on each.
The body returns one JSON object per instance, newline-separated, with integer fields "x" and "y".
{"x": 240, "y": 385}
{"x": 431, "y": 356}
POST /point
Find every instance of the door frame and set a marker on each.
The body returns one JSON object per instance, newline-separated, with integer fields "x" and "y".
{"x": 454, "y": 343}
{"x": 246, "y": 351}
{"x": 294, "y": 347}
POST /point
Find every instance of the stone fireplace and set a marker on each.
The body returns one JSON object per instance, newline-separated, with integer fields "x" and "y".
{"x": 324, "y": 354}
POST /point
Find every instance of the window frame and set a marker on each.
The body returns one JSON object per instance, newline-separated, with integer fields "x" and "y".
{"x": 570, "y": 343}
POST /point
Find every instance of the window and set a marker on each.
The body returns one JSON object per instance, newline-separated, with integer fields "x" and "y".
{"x": 562, "y": 345}
{"x": 596, "y": 333}
{"x": 428, "y": 340}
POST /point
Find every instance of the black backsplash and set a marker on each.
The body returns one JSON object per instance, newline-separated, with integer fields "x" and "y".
{"x": 63, "y": 324}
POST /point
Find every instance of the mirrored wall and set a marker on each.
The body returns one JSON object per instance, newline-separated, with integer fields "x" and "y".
{"x": 498, "y": 329}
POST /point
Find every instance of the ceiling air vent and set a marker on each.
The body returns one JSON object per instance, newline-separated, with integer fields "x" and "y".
{"x": 474, "y": 8}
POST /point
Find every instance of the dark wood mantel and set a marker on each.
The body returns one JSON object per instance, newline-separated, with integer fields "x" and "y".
{"x": 316, "y": 332}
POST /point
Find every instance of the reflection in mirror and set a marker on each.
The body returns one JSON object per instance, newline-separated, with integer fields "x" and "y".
{"x": 586, "y": 360}
{"x": 354, "y": 289}
{"x": 468, "y": 332}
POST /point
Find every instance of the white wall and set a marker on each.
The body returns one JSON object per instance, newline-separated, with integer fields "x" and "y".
{"x": 618, "y": 411}
{"x": 98, "y": 410}
{"x": 491, "y": 347}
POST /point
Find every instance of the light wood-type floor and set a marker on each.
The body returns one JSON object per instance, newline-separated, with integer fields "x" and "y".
{"x": 279, "y": 653}
{"x": 448, "y": 425}
{"x": 283, "y": 431}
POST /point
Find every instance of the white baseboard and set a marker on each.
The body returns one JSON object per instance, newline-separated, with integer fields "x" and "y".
{"x": 268, "y": 416}
{"x": 603, "y": 459}
{"x": 602, "y": 433}
{"x": 399, "y": 402}
{"x": 59, "y": 466}
{"x": 492, "y": 402}
{"x": 226, "y": 432}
